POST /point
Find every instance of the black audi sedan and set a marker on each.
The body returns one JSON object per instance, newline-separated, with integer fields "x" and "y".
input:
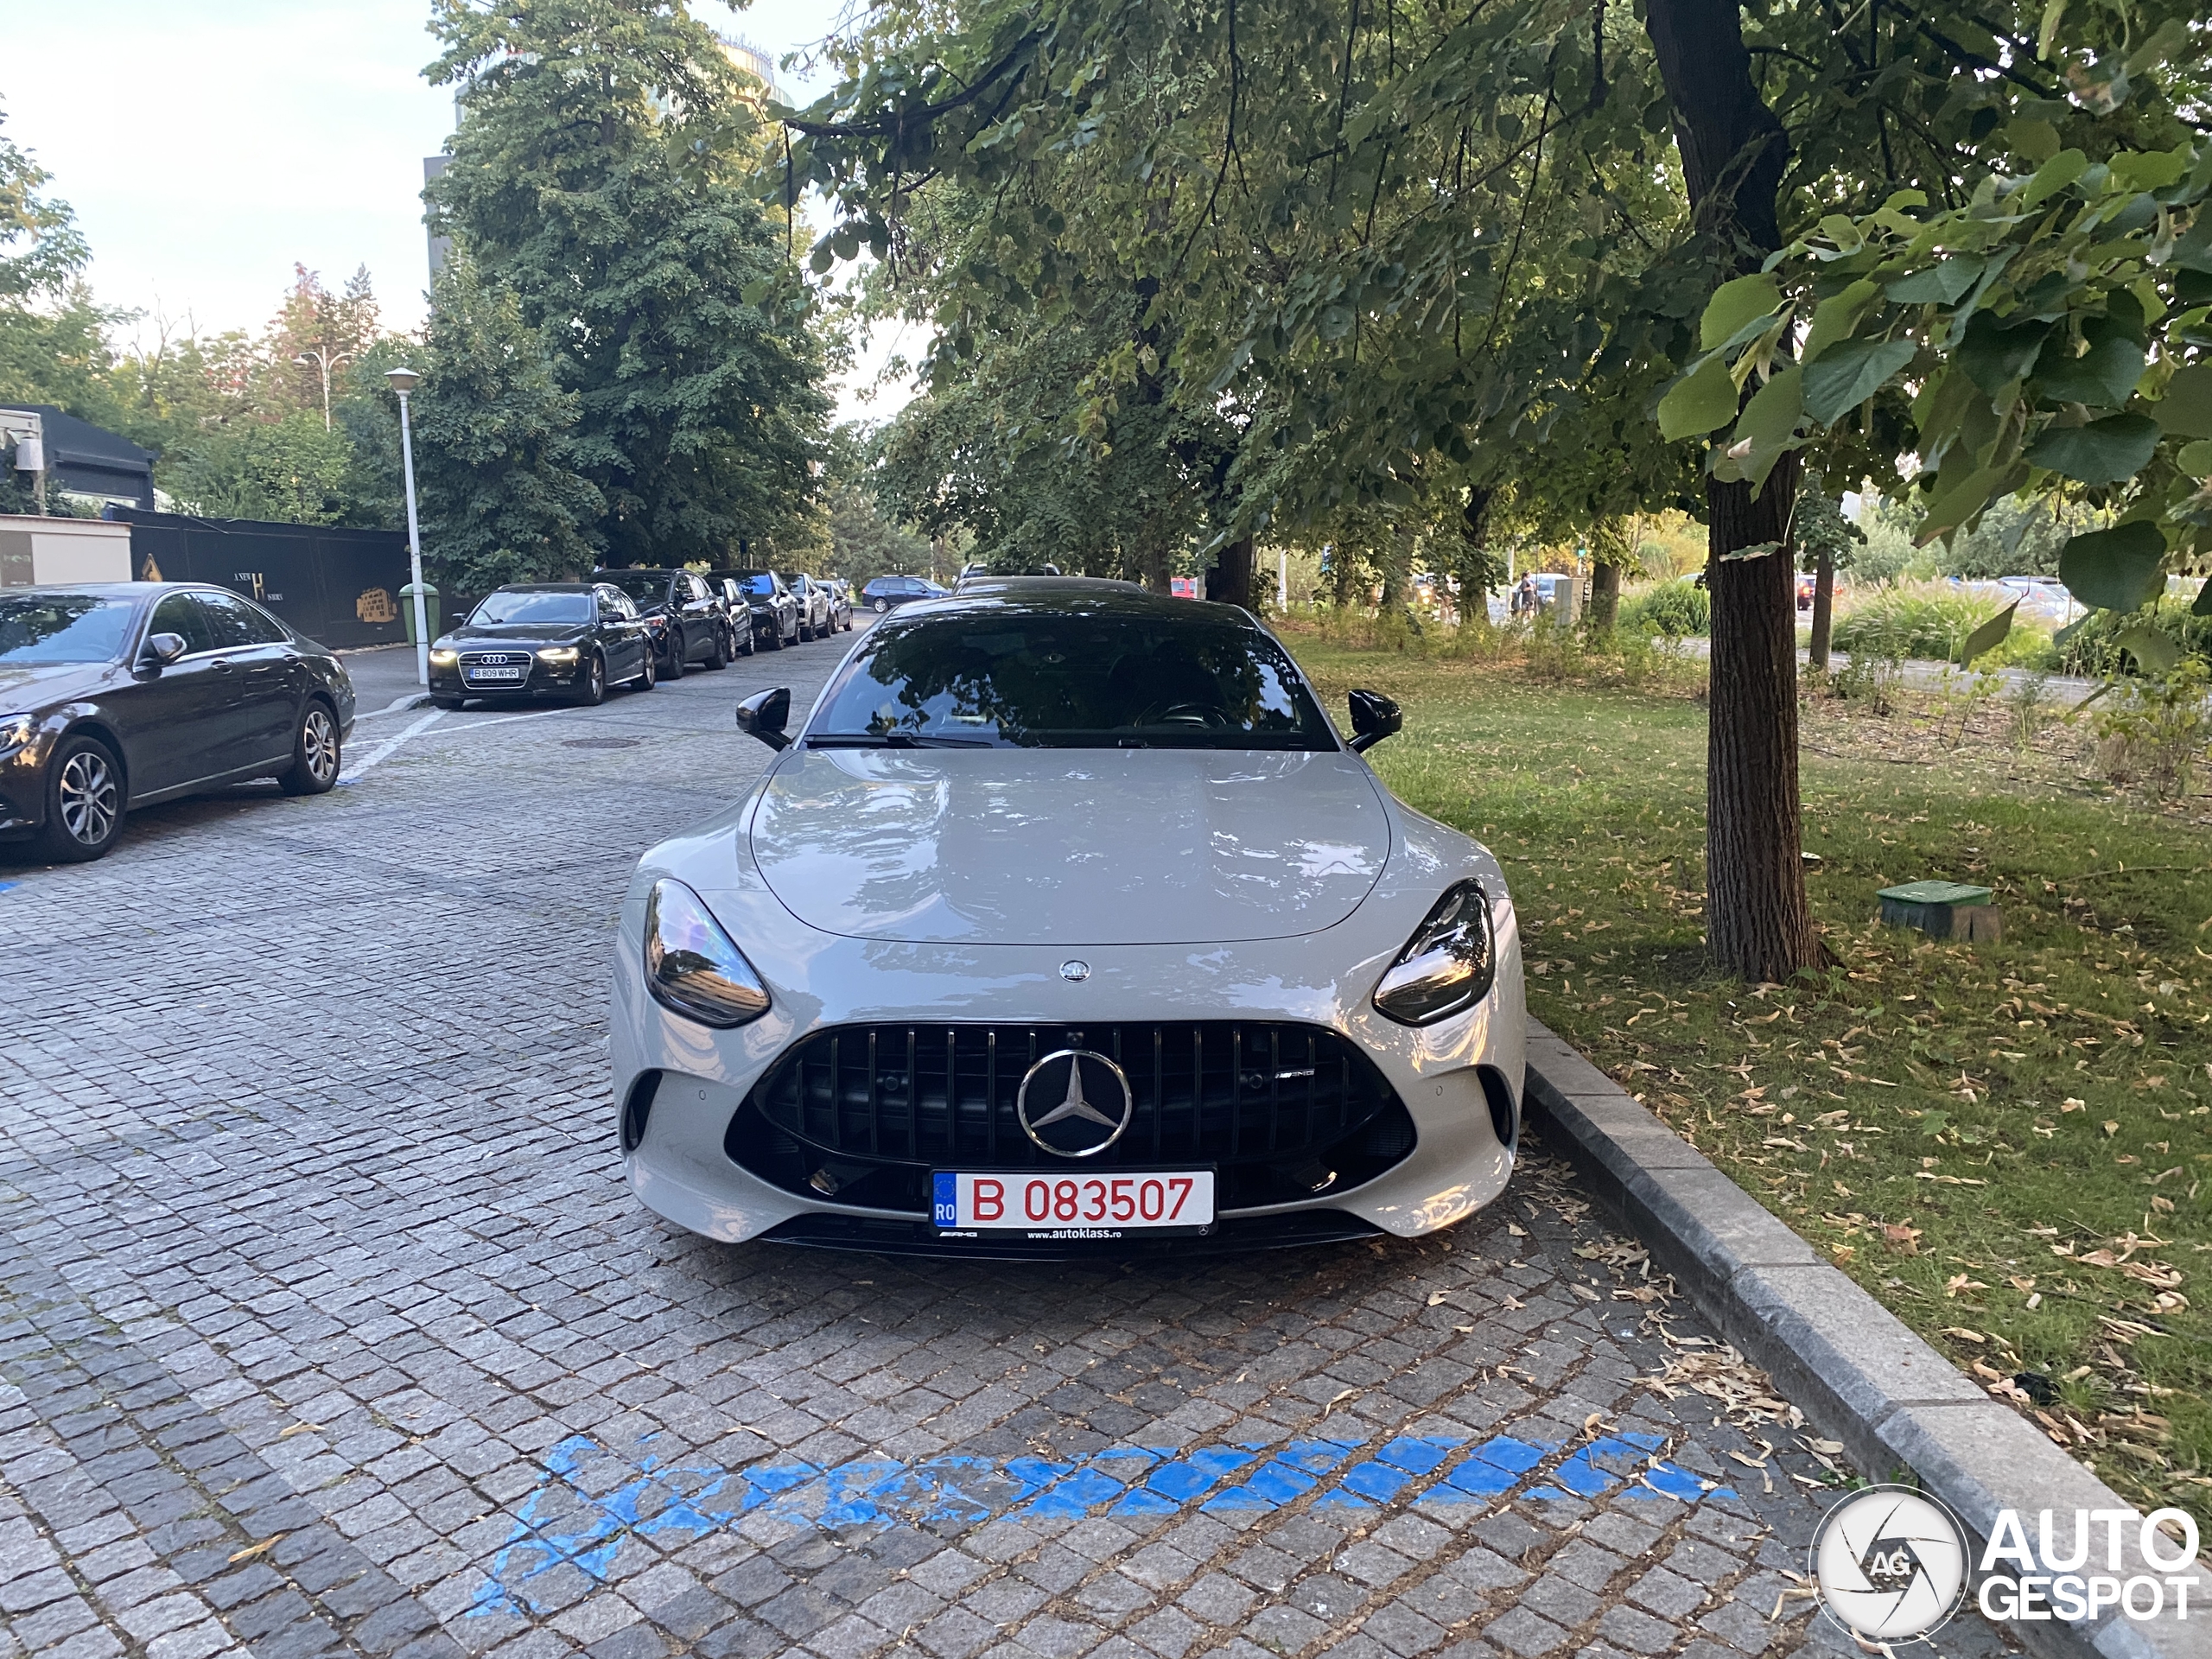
{"x": 569, "y": 639}
{"x": 115, "y": 695}
{"x": 686, "y": 619}
{"x": 775, "y": 611}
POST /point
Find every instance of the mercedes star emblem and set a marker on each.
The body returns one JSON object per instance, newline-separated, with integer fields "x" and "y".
{"x": 1076, "y": 1127}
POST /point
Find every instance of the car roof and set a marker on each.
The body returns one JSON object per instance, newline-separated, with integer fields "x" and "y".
{"x": 1071, "y": 596}
{"x": 124, "y": 589}
{"x": 545, "y": 587}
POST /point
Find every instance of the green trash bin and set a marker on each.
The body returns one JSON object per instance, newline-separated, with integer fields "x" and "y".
{"x": 429, "y": 606}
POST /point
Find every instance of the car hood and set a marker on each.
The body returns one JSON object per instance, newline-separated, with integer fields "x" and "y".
{"x": 28, "y": 687}
{"x": 516, "y": 633}
{"x": 1070, "y": 846}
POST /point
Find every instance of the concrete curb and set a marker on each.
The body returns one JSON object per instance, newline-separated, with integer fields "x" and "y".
{"x": 1855, "y": 1369}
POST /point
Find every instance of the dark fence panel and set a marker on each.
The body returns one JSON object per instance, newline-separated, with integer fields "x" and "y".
{"x": 341, "y": 586}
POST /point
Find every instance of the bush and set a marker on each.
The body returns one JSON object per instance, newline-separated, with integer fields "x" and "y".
{"x": 2155, "y": 732}
{"x": 2088, "y": 649}
{"x": 1675, "y": 609}
{"x": 1932, "y": 622}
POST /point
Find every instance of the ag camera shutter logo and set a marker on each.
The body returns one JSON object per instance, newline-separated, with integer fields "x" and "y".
{"x": 1891, "y": 1564}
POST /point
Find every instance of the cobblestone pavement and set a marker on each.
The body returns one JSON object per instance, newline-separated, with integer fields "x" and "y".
{"x": 327, "y": 1324}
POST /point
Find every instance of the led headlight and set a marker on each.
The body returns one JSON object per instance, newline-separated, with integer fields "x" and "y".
{"x": 1448, "y": 964}
{"x": 444, "y": 656}
{"x": 16, "y": 731}
{"x": 558, "y": 654}
{"x": 692, "y": 967}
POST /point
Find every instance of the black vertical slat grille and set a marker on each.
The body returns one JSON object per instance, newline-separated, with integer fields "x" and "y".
{"x": 1214, "y": 1092}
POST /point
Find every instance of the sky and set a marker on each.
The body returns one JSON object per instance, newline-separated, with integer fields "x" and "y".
{"x": 208, "y": 145}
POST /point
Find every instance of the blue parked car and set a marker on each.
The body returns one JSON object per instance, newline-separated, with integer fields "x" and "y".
{"x": 885, "y": 592}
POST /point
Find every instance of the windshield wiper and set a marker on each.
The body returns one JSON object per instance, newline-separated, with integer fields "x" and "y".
{"x": 894, "y": 740}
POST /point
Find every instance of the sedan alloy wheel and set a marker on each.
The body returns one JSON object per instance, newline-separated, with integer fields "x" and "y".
{"x": 86, "y": 807}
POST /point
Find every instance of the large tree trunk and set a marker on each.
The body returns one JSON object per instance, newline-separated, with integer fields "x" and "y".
{"x": 1823, "y": 612}
{"x": 1478, "y": 566}
{"x": 1604, "y": 596}
{"x": 1229, "y": 579}
{"x": 1757, "y": 922}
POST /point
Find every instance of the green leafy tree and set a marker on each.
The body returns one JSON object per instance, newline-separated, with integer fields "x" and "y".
{"x": 41, "y": 251}
{"x": 2051, "y": 326}
{"x": 598, "y": 175}
{"x": 289, "y": 471}
{"x": 865, "y": 540}
{"x": 501, "y": 499}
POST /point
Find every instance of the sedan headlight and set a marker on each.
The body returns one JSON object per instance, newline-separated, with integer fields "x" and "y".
{"x": 16, "y": 731}
{"x": 692, "y": 967}
{"x": 445, "y": 656}
{"x": 558, "y": 654}
{"x": 1448, "y": 966}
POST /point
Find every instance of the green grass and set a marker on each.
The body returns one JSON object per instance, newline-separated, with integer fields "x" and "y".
{"x": 2006, "y": 1145}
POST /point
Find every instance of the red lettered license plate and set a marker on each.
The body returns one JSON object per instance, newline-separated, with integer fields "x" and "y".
{"x": 1103, "y": 1205}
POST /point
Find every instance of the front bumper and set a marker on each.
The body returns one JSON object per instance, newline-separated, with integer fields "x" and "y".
{"x": 542, "y": 679}
{"x": 678, "y": 1085}
{"x": 23, "y": 788}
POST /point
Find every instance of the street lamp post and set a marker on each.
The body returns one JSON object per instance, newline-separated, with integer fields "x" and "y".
{"x": 325, "y": 363}
{"x": 403, "y": 382}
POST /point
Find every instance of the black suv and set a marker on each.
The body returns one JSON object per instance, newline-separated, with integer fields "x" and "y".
{"x": 689, "y": 621}
{"x": 775, "y": 611}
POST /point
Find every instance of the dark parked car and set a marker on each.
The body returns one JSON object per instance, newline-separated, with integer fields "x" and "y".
{"x": 775, "y": 613}
{"x": 115, "y": 696}
{"x": 686, "y": 618}
{"x": 841, "y": 604}
{"x": 813, "y": 604}
{"x": 885, "y": 592}
{"x": 544, "y": 639}
{"x": 738, "y": 609}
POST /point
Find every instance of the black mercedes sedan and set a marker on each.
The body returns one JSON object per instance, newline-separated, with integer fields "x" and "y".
{"x": 686, "y": 618}
{"x": 569, "y": 639}
{"x": 775, "y": 613}
{"x": 115, "y": 695}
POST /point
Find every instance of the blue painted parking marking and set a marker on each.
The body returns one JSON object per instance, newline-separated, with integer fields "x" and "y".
{"x": 591, "y": 1500}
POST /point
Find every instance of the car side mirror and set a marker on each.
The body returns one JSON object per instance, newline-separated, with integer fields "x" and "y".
{"x": 765, "y": 714}
{"x": 165, "y": 648}
{"x": 1374, "y": 717}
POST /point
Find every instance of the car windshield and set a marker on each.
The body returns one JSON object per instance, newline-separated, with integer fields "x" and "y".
{"x": 646, "y": 587}
{"x": 758, "y": 582}
{"x": 1070, "y": 680}
{"x": 533, "y": 608}
{"x": 62, "y": 628}
{"x": 794, "y": 579}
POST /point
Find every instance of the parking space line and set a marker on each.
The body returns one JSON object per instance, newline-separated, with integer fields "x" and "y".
{"x": 390, "y": 744}
{"x": 503, "y": 719}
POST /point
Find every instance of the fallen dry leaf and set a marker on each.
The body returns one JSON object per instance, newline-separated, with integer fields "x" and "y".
{"x": 252, "y": 1550}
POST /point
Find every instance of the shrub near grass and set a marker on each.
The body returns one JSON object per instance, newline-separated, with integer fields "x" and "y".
{"x": 1932, "y": 621}
{"x": 1677, "y": 609}
{"x": 2007, "y": 1145}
